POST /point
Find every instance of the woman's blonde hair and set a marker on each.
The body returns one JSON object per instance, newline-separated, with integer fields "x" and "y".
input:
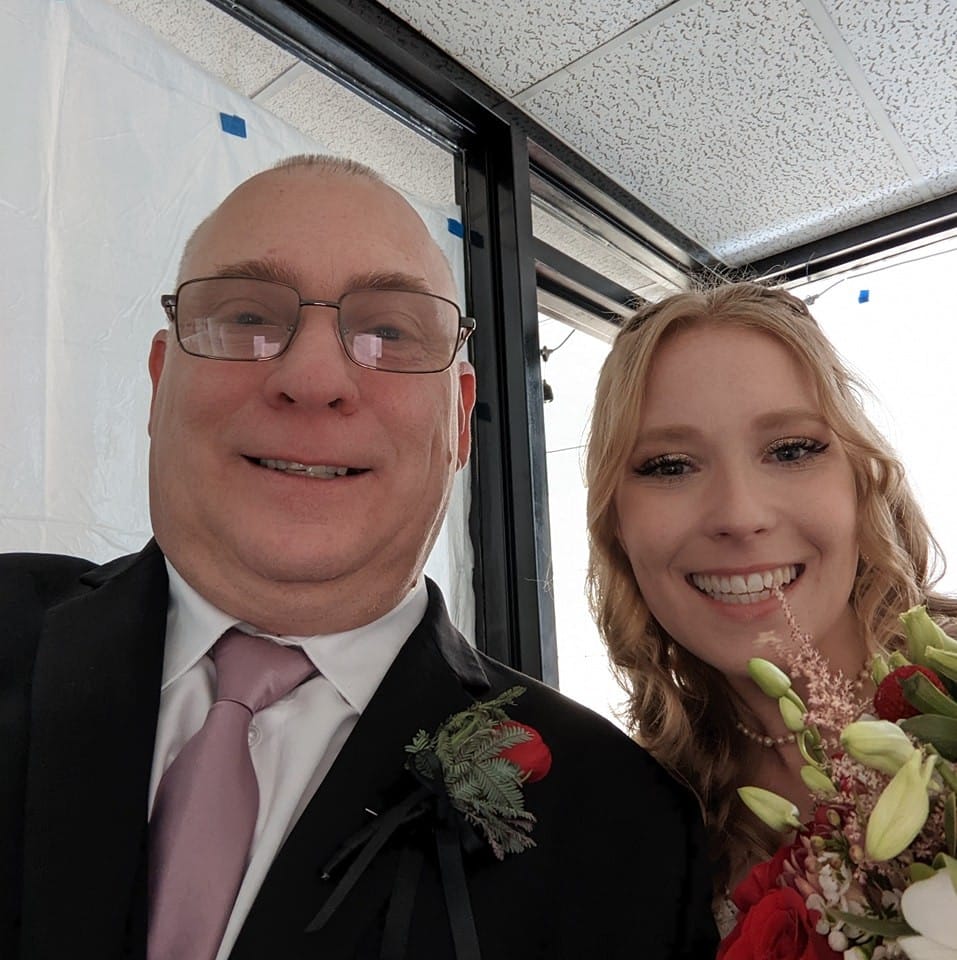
{"x": 681, "y": 709}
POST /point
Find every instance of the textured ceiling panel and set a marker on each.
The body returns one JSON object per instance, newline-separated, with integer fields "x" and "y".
{"x": 906, "y": 49}
{"x": 216, "y": 41}
{"x": 733, "y": 120}
{"x": 512, "y": 45}
{"x": 347, "y": 125}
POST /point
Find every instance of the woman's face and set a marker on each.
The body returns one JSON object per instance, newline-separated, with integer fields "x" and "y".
{"x": 736, "y": 483}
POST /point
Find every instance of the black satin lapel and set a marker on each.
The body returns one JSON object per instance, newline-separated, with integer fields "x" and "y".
{"x": 434, "y": 675}
{"x": 95, "y": 702}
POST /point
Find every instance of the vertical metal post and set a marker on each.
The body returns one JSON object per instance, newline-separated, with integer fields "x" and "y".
{"x": 515, "y": 617}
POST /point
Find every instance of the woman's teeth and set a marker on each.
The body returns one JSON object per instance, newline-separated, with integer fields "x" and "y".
{"x": 305, "y": 469}
{"x": 744, "y": 588}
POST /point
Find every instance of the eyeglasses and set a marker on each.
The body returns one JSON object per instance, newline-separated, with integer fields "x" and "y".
{"x": 240, "y": 318}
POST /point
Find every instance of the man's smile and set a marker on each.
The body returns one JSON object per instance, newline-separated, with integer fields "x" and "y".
{"x": 317, "y": 471}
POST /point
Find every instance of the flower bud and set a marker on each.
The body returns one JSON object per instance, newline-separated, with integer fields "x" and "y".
{"x": 792, "y": 715}
{"x": 943, "y": 661}
{"x": 879, "y": 669}
{"x": 837, "y": 940}
{"x": 901, "y": 810}
{"x": 922, "y": 632}
{"x": 818, "y": 782}
{"x": 532, "y": 756}
{"x": 778, "y": 813}
{"x": 771, "y": 679}
{"x": 878, "y": 744}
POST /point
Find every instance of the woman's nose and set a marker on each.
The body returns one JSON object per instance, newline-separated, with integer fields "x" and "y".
{"x": 740, "y": 503}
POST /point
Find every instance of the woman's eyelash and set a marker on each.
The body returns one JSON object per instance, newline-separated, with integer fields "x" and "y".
{"x": 662, "y": 463}
{"x": 808, "y": 445}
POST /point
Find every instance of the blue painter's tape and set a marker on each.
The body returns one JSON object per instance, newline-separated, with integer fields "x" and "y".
{"x": 864, "y": 296}
{"x": 456, "y": 228}
{"x": 234, "y": 125}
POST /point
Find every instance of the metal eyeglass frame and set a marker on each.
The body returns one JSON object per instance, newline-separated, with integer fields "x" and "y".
{"x": 169, "y": 303}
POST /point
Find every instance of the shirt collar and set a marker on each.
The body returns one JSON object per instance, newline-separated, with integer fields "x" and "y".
{"x": 354, "y": 661}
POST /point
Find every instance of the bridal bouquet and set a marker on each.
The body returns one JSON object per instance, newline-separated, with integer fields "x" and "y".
{"x": 873, "y": 874}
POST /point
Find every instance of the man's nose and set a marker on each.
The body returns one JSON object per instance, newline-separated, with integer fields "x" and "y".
{"x": 314, "y": 370}
{"x": 740, "y": 503}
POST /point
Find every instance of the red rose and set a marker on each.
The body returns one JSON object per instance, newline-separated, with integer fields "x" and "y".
{"x": 777, "y": 927}
{"x": 532, "y": 756}
{"x": 889, "y": 700}
{"x": 761, "y": 880}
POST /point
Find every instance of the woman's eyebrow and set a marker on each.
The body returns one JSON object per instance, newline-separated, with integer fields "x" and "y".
{"x": 773, "y": 419}
{"x": 668, "y": 433}
{"x": 789, "y": 416}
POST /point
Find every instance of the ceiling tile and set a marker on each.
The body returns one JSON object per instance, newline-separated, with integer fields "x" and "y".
{"x": 906, "y": 50}
{"x": 733, "y": 121}
{"x": 219, "y": 43}
{"x": 347, "y": 125}
{"x": 510, "y": 44}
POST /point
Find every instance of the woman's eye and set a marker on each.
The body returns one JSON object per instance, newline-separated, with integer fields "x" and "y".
{"x": 793, "y": 449}
{"x": 665, "y": 466}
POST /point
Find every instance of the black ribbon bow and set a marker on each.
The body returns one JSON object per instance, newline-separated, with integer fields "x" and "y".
{"x": 451, "y": 832}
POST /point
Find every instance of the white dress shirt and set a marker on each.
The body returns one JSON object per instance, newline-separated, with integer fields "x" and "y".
{"x": 294, "y": 741}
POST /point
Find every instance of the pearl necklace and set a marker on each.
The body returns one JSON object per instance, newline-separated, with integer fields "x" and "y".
{"x": 763, "y": 738}
{"x": 768, "y": 741}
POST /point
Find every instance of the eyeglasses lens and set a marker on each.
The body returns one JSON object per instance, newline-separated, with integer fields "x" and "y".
{"x": 398, "y": 331}
{"x": 235, "y": 319}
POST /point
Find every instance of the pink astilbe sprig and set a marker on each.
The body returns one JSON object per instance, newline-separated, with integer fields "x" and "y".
{"x": 833, "y": 700}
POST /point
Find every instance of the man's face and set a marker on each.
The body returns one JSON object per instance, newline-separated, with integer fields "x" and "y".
{"x": 282, "y": 549}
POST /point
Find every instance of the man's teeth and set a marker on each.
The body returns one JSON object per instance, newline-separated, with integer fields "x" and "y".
{"x": 305, "y": 469}
{"x": 741, "y": 588}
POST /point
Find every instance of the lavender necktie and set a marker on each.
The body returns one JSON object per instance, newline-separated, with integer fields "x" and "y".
{"x": 205, "y": 809}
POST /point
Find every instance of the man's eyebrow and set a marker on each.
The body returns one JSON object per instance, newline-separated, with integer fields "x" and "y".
{"x": 389, "y": 281}
{"x": 265, "y": 269}
{"x": 269, "y": 268}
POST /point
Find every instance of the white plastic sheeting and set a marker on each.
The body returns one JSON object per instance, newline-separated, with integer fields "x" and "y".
{"x": 112, "y": 151}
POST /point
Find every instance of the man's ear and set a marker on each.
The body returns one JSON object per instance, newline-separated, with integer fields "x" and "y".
{"x": 466, "y": 376}
{"x": 157, "y": 360}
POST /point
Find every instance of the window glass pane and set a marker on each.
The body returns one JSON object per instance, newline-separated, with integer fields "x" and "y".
{"x": 895, "y": 322}
{"x": 571, "y": 373}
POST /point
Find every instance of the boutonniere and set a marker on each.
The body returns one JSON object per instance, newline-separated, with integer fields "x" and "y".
{"x": 482, "y": 759}
{"x": 471, "y": 773}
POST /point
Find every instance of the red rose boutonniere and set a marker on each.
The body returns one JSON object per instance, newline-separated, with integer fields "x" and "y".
{"x": 481, "y": 759}
{"x": 469, "y": 777}
{"x": 532, "y": 756}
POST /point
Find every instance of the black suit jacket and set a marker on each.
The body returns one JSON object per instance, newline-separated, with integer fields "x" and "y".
{"x": 619, "y": 869}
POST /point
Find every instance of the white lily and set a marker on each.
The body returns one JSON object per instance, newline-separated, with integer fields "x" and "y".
{"x": 930, "y": 907}
{"x": 877, "y": 743}
{"x": 901, "y": 810}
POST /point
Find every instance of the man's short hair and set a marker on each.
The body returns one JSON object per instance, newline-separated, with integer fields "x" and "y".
{"x": 318, "y": 162}
{"x": 326, "y": 163}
